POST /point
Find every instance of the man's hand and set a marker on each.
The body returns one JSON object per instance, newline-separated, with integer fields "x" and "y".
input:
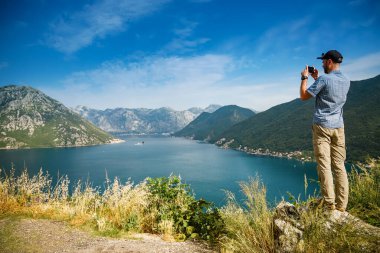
{"x": 315, "y": 74}
{"x": 304, "y": 95}
{"x": 305, "y": 72}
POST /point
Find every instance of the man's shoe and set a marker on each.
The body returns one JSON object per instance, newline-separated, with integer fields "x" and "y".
{"x": 329, "y": 207}
{"x": 340, "y": 209}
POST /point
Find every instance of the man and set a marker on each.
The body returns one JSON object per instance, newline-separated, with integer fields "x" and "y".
{"x": 330, "y": 92}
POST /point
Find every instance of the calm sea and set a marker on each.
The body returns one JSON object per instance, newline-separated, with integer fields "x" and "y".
{"x": 208, "y": 169}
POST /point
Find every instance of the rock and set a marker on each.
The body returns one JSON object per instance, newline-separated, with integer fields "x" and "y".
{"x": 289, "y": 230}
{"x": 287, "y": 237}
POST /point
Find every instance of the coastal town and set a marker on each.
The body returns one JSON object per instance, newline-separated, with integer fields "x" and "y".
{"x": 298, "y": 155}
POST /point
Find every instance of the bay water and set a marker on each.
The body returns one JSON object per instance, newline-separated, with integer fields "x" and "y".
{"x": 208, "y": 169}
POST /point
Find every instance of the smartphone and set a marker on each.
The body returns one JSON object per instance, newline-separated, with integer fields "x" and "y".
{"x": 310, "y": 69}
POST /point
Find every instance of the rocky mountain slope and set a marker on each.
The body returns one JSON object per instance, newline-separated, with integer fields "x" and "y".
{"x": 29, "y": 118}
{"x": 142, "y": 121}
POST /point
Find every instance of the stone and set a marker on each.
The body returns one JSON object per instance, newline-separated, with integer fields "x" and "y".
{"x": 289, "y": 230}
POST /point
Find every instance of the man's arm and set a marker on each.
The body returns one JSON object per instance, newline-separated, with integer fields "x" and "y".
{"x": 304, "y": 95}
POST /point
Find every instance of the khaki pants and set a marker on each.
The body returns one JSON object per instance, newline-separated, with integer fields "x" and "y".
{"x": 330, "y": 153}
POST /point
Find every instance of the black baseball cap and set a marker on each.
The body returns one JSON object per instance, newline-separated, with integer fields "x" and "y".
{"x": 334, "y": 55}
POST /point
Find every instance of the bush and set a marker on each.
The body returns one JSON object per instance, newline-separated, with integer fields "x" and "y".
{"x": 190, "y": 218}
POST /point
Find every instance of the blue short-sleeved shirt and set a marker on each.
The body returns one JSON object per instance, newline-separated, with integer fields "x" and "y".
{"x": 330, "y": 92}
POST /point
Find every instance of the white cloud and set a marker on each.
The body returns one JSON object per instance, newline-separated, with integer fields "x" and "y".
{"x": 152, "y": 81}
{"x": 179, "y": 45}
{"x": 363, "y": 67}
{"x": 278, "y": 37}
{"x": 72, "y": 32}
{"x": 177, "y": 82}
{"x": 200, "y": 1}
{"x": 182, "y": 42}
{"x": 356, "y": 3}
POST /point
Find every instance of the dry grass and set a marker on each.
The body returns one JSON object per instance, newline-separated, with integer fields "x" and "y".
{"x": 121, "y": 207}
{"x": 249, "y": 229}
{"x": 164, "y": 206}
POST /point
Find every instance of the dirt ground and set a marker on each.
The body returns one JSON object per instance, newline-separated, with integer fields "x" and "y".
{"x": 31, "y": 235}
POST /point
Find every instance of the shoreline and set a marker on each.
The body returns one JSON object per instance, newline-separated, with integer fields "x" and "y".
{"x": 115, "y": 141}
{"x": 296, "y": 155}
{"x": 224, "y": 144}
{"x": 112, "y": 141}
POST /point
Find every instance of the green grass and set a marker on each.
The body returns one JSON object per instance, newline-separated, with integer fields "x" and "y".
{"x": 364, "y": 198}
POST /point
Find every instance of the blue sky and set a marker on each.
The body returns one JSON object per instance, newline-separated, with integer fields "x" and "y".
{"x": 181, "y": 53}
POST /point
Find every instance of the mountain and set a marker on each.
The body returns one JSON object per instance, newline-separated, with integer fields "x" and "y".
{"x": 287, "y": 127}
{"x": 211, "y": 108}
{"x": 29, "y": 118}
{"x": 141, "y": 121}
{"x": 207, "y": 126}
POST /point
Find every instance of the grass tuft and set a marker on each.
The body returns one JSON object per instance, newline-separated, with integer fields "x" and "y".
{"x": 249, "y": 228}
{"x": 364, "y": 197}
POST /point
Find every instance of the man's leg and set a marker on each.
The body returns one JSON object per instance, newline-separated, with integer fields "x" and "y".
{"x": 321, "y": 143}
{"x": 338, "y": 155}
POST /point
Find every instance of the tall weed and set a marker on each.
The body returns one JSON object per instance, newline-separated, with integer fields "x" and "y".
{"x": 249, "y": 228}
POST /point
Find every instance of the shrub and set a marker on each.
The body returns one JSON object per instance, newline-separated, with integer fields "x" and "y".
{"x": 174, "y": 201}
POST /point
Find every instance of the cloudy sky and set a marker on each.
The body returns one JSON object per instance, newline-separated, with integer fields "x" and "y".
{"x": 181, "y": 53}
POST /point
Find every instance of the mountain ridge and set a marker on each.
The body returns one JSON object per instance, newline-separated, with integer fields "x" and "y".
{"x": 207, "y": 126}
{"x": 141, "y": 120}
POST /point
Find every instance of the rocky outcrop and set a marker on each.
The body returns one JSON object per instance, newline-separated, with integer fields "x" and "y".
{"x": 288, "y": 230}
{"x": 289, "y": 226}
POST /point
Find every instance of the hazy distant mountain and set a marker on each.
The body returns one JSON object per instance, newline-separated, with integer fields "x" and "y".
{"x": 139, "y": 121}
{"x": 207, "y": 126}
{"x": 29, "y": 118}
{"x": 210, "y": 108}
{"x": 287, "y": 127}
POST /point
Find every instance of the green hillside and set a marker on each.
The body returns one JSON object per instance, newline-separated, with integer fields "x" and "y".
{"x": 29, "y": 118}
{"x": 208, "y": 126}
{"x": 287, "y": 127}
